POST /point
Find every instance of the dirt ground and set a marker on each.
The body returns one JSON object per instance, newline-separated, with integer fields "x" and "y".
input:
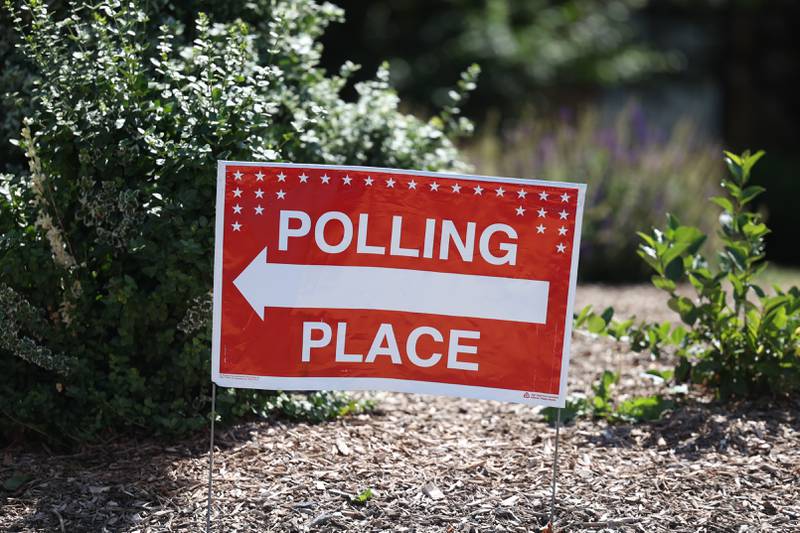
{"x": 442, "y": 465}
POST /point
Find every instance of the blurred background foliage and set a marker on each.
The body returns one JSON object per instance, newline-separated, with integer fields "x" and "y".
{"x": 728, "y": 66}
{"x": 635, "y": 171}
{"x": 529, "y": 50}
{"x": 722, "y": 68}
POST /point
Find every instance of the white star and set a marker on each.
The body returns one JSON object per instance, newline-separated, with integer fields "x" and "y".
{"x": 540, "y": 228}
{"x": 565, "y": 197}
{"x": 563, "y": 215}
{"x": 281, "y": 177}
{"x": 259, "y": 210}
{"x": 390, "y": 183}
{"x": 237, "y": 192}
{"x": 456, "y": 188}
{"x": 521, "y": 193}
{"x": 303, "y": 178}
{"x": 412, "y": 185}
{"x": 520, "y": 211}
{"x": 500, "y": 191}
{"x": 236, "y": 226}
{"x": 325, "y": 178}
{"x": 560, "y": 248}
{"x": 368, "y": 181}
{"x": 280, "y": 194}
{"x": 259, "y": 193}
{"x": 562, "y": 230}
{"x": 543, "y": 195}
{"x": 237, "y": 175}
{"x": 347, "y": 179}
{"x": 541, "y": 212}
{"x": 237, "y": 209}
{"x": 259, "y": 176}
{"x": 479, "y": 190}
{"x": 434, "y": 186}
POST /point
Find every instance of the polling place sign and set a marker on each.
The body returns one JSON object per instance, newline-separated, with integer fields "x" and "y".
{"x": 359, "y": 278}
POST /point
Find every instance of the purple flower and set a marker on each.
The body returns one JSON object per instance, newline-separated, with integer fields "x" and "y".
{"x": 639, "y": 126}
{"x": 547, "y": 148}
{"x": 566, "y": 115}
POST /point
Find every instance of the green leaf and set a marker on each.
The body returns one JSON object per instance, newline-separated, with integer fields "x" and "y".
{"x": 673, "y": 252}
{"x": 573, "y": 409}
{"x": 685, "y": 308}
{"x": 683, "y": 370}
{"x": 774, "y": 316}
{"x": 734, "y": 165}
{"x": 753, "y": 323}
{"x": 672, "y": 221}
{"x": 674, "y": 271}
{"x": 738, "y": 255}
{"x": 686, "y": 239}
{"x": 773, "y": 303}
{"x": 732, "y": 188}
{"x": 755, "y": 230}
{"x": 749, "y": 162}
{"x": 677, "y": 335}
{"x": 663, "y": 283}
{"x": 596, "y": 324}
{"x": 647, "y": 239}
{"x": 619, "y": 329}
{"x": 644, "y": 408}
{"x": 649, "y": 256}
{"x": 723, "y": 202}
{"x": 603, "y": 387}
{"x": 363, "y": 497}
{"x": 600, "y": 406}
{"x": 733, "y": 157}
{"x": 581, "y": 317}
{"x": 689, "y": 234}
{"x": 749, "y": 193}
{"x": 666, "y": 375}
{"x": 738, "y": 286}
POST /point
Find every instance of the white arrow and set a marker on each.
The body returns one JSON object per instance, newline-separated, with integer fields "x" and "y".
{"x": 266, "y": 284}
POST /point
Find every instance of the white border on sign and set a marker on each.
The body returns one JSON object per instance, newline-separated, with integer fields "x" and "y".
{"x": 390, "y": 384}
{"x": 385, "y": 384}
{"x": 219, "y": 235}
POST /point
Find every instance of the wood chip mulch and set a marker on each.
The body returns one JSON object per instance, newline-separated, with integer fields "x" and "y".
{"x": 439, "y": 465}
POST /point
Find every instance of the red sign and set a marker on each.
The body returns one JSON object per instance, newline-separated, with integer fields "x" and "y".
{"x": 358, "y": 278}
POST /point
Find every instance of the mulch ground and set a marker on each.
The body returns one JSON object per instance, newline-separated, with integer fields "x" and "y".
{"x": 443, "y": 465}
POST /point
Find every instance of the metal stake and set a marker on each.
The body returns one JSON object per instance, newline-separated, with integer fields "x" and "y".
{"x": 555, "y": 471}
{"x": 211, "y": 454}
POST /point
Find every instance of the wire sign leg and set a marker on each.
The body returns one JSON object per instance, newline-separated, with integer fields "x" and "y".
{"x": 555, "y": 472}
{"x": 211, "y": 455}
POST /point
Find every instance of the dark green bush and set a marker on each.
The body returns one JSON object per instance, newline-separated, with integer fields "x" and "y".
{"x": 106, "y": 247}
{"x": 527, "y": 48}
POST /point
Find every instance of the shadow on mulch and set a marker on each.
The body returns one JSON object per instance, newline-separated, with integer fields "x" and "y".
{"x": 697, "y": 426}
{"x": 109, "y": 486}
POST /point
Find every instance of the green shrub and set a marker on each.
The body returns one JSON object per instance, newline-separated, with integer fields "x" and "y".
{"x": 106, "y": 247}
{"x": 634, "y": 171}
{"x": 601, "y": 404}
{"x": 740, "y": 340}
